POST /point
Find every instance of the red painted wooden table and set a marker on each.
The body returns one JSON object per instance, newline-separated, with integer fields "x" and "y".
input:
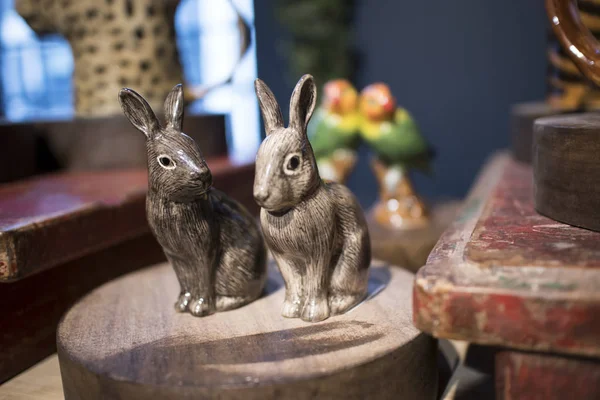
{"x": 503, "y": 275}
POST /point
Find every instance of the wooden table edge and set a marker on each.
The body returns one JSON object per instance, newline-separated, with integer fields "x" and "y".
{"x": 223, "y": 170}
{"x": 436, "y": 288}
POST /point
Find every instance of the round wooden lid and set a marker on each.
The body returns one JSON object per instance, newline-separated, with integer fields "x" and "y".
{"x": 566, "y": 168}
{"x": 125, "y": 340}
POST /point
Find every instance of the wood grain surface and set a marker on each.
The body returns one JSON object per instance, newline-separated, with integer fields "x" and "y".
{"x": 124, "y": 340}
{"x": 503, "y": 275}
{"x": 566, "y": 169}
{"x": 67, "y": 215}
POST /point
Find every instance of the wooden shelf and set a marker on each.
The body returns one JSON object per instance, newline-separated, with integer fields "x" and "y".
{"x": 63, "y": 235}
{"x": 53, "y": 219}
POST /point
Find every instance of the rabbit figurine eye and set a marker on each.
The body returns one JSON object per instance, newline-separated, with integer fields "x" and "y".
{"x": 292, "y": 164}
{"x": 165, "y": 161}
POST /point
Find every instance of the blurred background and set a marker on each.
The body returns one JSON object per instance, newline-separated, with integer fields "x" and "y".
{"x": 456, "y": 66}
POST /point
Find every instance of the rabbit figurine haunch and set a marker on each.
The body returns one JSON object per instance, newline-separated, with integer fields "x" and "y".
{"x": 316, "y": 231}
{"x": 212, "y": 242}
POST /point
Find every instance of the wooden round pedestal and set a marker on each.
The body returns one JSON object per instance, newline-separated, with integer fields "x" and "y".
{"x": 409, "y": 248}
{"x": 125, "y": 341}
{"x": 566, "y": 169}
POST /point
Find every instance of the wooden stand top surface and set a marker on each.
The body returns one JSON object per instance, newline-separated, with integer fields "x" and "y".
{"x": 570, "y": 123}
{"x": 51, "y": 219}
{"x": 127, "y": 337}
{"x": 504, "y": 275}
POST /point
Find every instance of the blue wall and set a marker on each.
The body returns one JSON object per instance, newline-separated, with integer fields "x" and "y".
{"x": 458, "y": 66}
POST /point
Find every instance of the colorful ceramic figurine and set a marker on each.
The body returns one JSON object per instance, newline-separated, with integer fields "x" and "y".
{"x": 398, "y": 145}
{"x": 316, "y": 231}
{"x": 333, "y": 132}
{"x": 211, "y": 241}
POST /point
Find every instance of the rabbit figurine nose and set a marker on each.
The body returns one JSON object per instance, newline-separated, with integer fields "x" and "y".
{"x": 195, "y": 175}
{"x": 261, "y": 195}
{"x": 199, "y": 175}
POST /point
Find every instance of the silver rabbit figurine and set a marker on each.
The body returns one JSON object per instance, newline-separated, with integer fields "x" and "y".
{"x": 316, "y": 231}
{"x": 212, "y": 242}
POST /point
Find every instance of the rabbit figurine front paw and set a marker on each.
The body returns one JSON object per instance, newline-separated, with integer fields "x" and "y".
{"x": 316, "y": 231}
{"x": 212, "y": 242}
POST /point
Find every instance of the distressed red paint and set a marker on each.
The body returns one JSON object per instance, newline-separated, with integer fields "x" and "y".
{"x": 67, "y": 215}
{"x": 537, "y": 376}
{"x": 506, "y": 280}
{"x": 511, "y": 233}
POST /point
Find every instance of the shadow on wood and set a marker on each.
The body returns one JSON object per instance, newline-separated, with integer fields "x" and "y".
{"x": 123, "y": 341}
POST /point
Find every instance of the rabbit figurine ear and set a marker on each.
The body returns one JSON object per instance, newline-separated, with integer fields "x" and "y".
{"x": 174, "y": 108}
{"x": 139, "y": 112}
{"x": 302, "y": 103}
{"x": 268, "y": 106}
